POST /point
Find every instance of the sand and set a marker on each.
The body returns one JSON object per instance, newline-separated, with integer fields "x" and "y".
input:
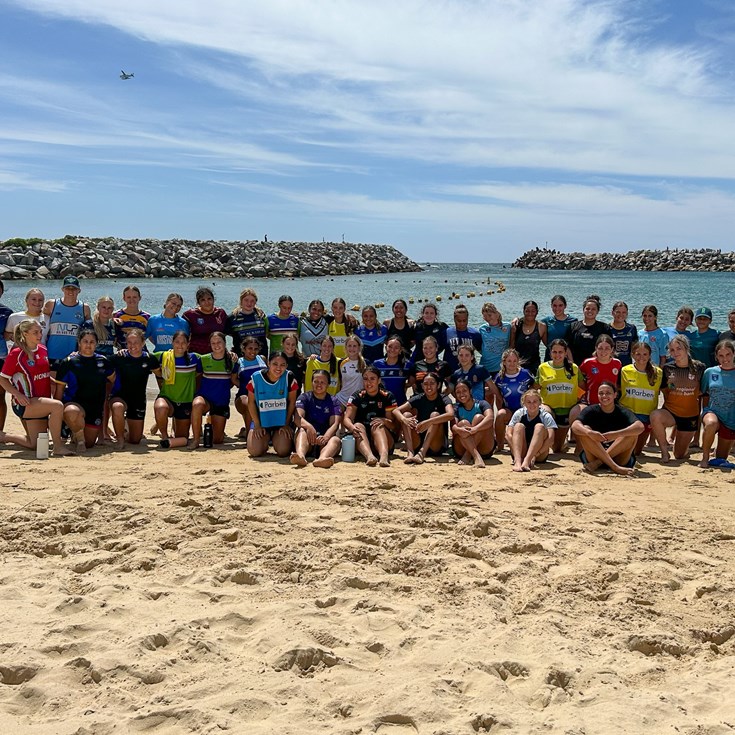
{"x": 177, "y": 592}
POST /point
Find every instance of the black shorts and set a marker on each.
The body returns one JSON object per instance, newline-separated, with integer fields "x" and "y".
{"x": 562, "y": 420}
{"x": 181, "y": 411}
{"x": 223, "y": 411}
{"x": 685, "y": 424}
{"x": 134, "y": 406}
{"x": 18, "y": 410}
{"x": 92, "y": 413}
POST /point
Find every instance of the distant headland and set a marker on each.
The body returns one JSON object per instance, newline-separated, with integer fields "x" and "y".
{"x": 670, "y": 259}
{"x": 114, "y": 257}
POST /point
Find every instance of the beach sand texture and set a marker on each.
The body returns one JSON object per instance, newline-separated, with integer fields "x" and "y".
{"x": 176, "y": 592}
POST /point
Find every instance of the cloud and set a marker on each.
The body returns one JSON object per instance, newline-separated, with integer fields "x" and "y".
{"x": 10, "y": 180}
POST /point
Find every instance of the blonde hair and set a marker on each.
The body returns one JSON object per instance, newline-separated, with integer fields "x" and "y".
{"x": 20, "y": 332}
{"x": 100, "y": 329}
{"x": 489, "y": 306}
{"x": 361, "y": 364}
{"x": 531, "y": 392}
{"x": 506, "y": 353}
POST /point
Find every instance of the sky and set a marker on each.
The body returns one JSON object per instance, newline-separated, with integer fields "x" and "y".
{"x": 455, "y": 130}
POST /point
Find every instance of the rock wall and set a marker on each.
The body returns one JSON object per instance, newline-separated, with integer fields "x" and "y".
{"x": 113, "y": 257}
{"x": 635, "y": 260}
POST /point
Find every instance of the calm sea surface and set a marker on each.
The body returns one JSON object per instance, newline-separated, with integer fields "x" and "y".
{"x": 667, "y": 290}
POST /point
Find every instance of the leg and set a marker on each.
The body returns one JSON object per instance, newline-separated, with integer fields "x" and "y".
{"x": 135, "y": 430}
{"x": 501, "y": 421}
{"x": 710, "y": 425}
{"x": 241, "y": 406}
{"x": 516, "y": 436}
{"x": 681, "y": 444}
{"x": 118, "y": 408}
{"x": 538, "y": 447}
{"x": 181, "y": 427}
{"x": 661, "y": 420}
{"x": 365, "y": 448}
{"x": 91, "y": 436}
{"x": 302, "y": 448}
{"x": 411, "y": 439}
{"x": 328, "y": 453}
{"x": 258, "y": 446}
{"x": 218, "y": 429}
{"x": 3, "y": 405}
{"x": 199, "y": 407}
{"x": 594, "y": 449}
{"x": 283, "y": 441}
{"x": 383, "y": 440}
{"x": 74, "y": 419}
{"x": 163, "y": 411}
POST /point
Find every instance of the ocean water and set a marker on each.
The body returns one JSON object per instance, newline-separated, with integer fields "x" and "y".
{"x": 668, "y": 291}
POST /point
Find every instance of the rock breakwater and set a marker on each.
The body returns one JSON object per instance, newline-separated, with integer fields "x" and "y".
{"x": 702, "y": 259}
{"x": 113, "y": 257}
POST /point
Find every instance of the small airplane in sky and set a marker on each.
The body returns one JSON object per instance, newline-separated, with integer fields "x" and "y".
{"x": 125, "y": 75}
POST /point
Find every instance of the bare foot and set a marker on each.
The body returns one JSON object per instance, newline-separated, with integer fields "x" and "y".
{"x": 418, "y": 459}
{"x": 384, "y": 462}
{"x": 81, "y": 445}
{"x": 62, "y": 452}
{"x": 625, "y": 471}
{"x": 665, "y": 456}
{"x": 119, "y": 445}
{"x": 153, "y": 430}
{"x": 410, "y": 459}
{"x": 517, "y": 468}
{"x": 325, "y": 462}
{"x": 371, "y": 461}
{"x": 297, "y": 459}
{"x": 192, "y": 444}
{"x": 704, "y": 464}
{"x": 480, "y": 462}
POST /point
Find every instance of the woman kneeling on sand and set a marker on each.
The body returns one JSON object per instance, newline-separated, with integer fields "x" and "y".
{"x": 530, "y": 432}
{"x": 607, "y": 433}
{"x": 26, "y": 376}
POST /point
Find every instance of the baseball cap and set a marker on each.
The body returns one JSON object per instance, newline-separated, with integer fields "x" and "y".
{"x": 703, "y": 311}
{"x": 72, "y": 281}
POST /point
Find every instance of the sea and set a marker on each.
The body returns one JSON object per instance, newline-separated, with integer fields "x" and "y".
{"x": 437, "y": 283}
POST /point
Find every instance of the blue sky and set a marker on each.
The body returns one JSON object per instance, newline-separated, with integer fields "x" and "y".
{"x": 455, "y": 130}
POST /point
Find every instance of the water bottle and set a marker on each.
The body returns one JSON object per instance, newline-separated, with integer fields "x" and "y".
{"x": 42, "y": 446}
{"x": 348, "y": 448}
{"x": 208, "y": 433}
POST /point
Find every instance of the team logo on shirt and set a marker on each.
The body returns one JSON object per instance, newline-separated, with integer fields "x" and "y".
{"x": 615, "y": 371}
{"x": 714, "y": 377}
{"x": 200, "y": 321}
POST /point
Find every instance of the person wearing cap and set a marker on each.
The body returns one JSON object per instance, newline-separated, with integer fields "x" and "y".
{"x": 705, "y": 339}
{"x": 65, "y": 316}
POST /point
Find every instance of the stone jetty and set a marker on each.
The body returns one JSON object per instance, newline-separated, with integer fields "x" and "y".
{"x": 113, "y": 257}
{"x": 670, "y": 259}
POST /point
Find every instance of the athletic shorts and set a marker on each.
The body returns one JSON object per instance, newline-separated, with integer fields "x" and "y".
{"x": 562, "y": 419}
{"x": 645, "y": 420}
{"x": 223, "y": 411}
{"x": 685, "y": 423}
{"x": 18, "y": 410}
{"x": 726, "y": 433}
{"x": 135, "y": 406}
{"x": 181, "y": 411}
{"x": 92, "y": 414}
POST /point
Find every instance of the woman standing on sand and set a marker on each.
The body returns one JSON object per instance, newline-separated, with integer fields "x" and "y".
{"x": 131, "y": 317}
{"x": 394, "y": 368}
{"x": 340, "y": 326}
{"x": 718, "y": 417}
{"x": 272, "y": 402}
{"x": 640, "y": 385}
{"x": 401, "y": 326}
{"x": 313, "y": 328}
{"x": 369, "y": 418}
{"x": 162, "y": 327}
{"x": 530, "y": 433}
{"x": 430, "y": 363}
{"x": 581, "y": 335}
{"x": 25, "y": 375}
{"x": 34, "y": 311}
{"x": 495, "y": 338}
{"x": 624, "y": 333}
{"x": 203, "y": 320}
{"x": 472, "y": 431}
{"x": 527, "y": 337}
{"x": 296, "y": 361}
{"x": 653, "y": 335}
{"x": 372, "y": 334}
{"x": 558, "y": 322}
{"x": 682, "y": 390}
{"x": 247, "y": 320}
{"x": 324, "y": 360}
{"x": 428, "y": 325}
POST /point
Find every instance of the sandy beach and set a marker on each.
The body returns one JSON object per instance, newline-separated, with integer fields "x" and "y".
{"x": 176, "y": 592}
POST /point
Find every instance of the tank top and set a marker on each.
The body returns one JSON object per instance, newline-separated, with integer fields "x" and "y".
{"x": 406, "y": 334}
{"x": 272, "y": 399}
{"x": 64, "y": 324}
{"x": 528, "y": 346}
{"x": 338, "y": 332}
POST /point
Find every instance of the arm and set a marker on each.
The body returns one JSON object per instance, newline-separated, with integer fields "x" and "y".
{"x": 579, "y": 428}
{"x": 20, "y": 398}
{"x": 543, "y": 332}
{"x": 442, "y": 418}
{"x": 59, "y": 390}
{"x": 290, "y": 407}
{"x": 334, "y": 424}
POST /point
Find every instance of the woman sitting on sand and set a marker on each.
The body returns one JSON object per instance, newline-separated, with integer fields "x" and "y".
{"x": 424, "y": 418}
{"x": 476, "y": 375}
{"x": 272, "y": 402}
{"x": 368, "y": 417}
{"x": 26, "y": 377}
{"x": 607, "y": 433}
{"x": 317, "y": 418}
{"x": 473, "y": 436}
{"x": 558, "y": 383}
{"x": 81, "y": 382}
{"x": 681, "y": 388}
{"x": 718, "y": 417}
{"x": 640, "y": 385}
{"x": 213, "y": 395}
{"x": 132, "y": 367}
{"x": 530, "y": 432}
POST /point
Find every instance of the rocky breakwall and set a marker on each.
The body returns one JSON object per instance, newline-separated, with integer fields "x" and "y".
{"x": 113, "y": 257}
{"x": 634, "y": 260}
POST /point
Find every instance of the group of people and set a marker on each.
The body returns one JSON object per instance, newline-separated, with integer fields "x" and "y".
{"x": 304, "y": 382}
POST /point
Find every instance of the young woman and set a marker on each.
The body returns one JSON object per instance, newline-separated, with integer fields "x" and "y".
{"x": 428, "y": 325}
{"x": 653, "y": 335}
{"x": 401, "y": 326}
{"x": 203, "y": 320}
{"x": 581, "y": 335}
{"x": 423, "y": 419}
{"x": 682, "y": 389}
{"x": 729, "y": 334}
{"x": 512, "y": 382}
{"x": 162, "y": 327}
{"x": 132, "y": 367}
{"x": 472, "y": 431}
{"x": 558, "y": 382}
{"x": 277, "y": 326}
{"x": 368, "y": 417}
{"x": 272, "y": 402}
{"x": 703, "y": 340}
{"x": 530, "y": 432}
{"x": 296, "y": 361}
{"x": 394, "y": 369}
{"x": 372, "y": 334}
{"x": 324, "y": 360}
{"x": 495, "y": 338}
{"x": 247, "y": 320}
{"x": 350, "y": 369}
{"x": 247, "y": 365}
{"x": 181, "y": 372}
{"x": 340, "y": 325}
{"x": 640, "y": 385}
{"x": 34, "y": 300}
{"x": 105, "y": 327}
{"x": 624, "y": 333}
{"x": 607, "y": 434}
{"x": 528, "y": 336}
{"x": 213, "y": 395}
{"x": 557, "y": 322}
{"x": 81, "y": 383}
{"x": 718, "y": 417}
{"x": 25, "y": 375}
{"x": 313, "y": 328}
{"x": 131, "y": 317}
{"x": 429, "y": 363}
{"x": 476, "y": 375}
{"x": 601, "y": 367}
{"x": 684, "y": 319}
{"x": 318, "y": 418}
